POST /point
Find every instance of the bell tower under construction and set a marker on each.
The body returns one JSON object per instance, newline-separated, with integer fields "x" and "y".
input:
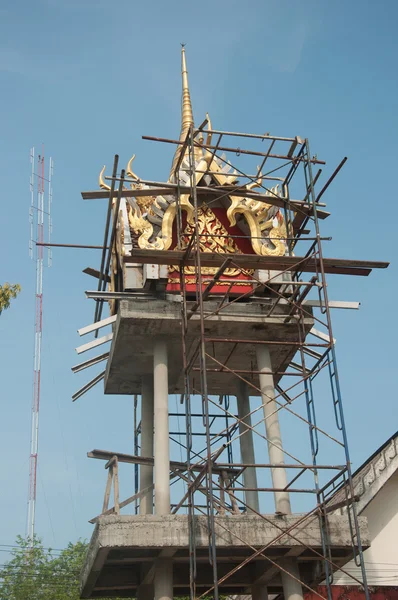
{"x": 220, "y": 330}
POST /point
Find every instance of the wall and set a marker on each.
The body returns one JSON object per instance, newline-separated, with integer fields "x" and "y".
{"x": 381, "y": 559}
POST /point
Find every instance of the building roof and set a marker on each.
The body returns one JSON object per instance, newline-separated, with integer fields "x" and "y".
{"x": 373, "y": 474}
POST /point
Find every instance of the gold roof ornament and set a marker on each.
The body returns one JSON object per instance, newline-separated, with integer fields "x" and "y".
{"x": 150, "y": 218}
{"x": 186, "y": 109}
{"x": 187, "y": 114}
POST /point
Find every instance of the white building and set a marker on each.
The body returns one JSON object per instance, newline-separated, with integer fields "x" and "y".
{"x": 376, "y": 484}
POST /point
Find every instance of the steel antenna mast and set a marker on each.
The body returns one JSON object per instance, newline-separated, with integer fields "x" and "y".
{"x": 40, "y": 216}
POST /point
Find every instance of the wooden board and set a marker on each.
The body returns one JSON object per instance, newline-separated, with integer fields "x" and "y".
{"x": 144, "y": 460}
{"x": 253, "y": 261}
{"x": 204, "y": 190}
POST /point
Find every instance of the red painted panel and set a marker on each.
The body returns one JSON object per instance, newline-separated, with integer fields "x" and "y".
{"x": 350, "y": 592}
{"x": 242, "y": 243}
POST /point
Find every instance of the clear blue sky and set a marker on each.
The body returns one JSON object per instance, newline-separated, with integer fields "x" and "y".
{"x": 88, "y": 78}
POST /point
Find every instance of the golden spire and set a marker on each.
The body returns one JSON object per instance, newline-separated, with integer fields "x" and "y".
{"x": 187, "y": 115}
{"x": 186, "y": 112}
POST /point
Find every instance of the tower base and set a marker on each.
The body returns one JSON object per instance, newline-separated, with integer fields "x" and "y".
{"x": 124, "y": 549}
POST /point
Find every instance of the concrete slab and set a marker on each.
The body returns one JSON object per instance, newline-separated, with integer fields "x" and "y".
{"x": 140, "y": 321}
{"x": 123, "y": 551}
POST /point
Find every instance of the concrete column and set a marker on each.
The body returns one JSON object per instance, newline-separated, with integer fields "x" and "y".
{"x": 161, "y": 422}
{"x": 259, "y": 592}
{"x": 273, "y": 433}
{"x": 292, "y": 589}
{"x": 246, "y": 445}
{"x": 146, "y": 472}
{"x": 163, "y": 584}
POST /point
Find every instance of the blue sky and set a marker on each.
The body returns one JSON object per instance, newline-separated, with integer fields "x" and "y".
{"x": 87, "y": 78}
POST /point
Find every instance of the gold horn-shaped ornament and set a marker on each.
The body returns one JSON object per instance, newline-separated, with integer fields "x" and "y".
{"x": 101, "y": 181}
{"x": 130, "y": 172}
{"x": 186, "y": 111}
{"x": 257, "y": 183}
{"x": 209, "y": 127}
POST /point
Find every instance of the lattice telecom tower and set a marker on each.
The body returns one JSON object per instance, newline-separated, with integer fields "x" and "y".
{"x": 40, "y": 220}
{"x": 217, "y": 286}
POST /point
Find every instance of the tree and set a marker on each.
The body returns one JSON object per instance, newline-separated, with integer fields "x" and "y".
{"x": 40, "y": 573}
{"x": 7, "y": 292}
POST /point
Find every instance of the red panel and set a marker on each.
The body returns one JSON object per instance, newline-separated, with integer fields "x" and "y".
{"x": 244, "y": 245}
{"x": 342, "y": 592}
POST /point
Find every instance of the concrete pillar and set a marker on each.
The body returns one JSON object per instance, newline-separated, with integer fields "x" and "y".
{"x": 259, "y": 592}
{"x": 146, "y": 471}
{"x": 246, "y": 445}
{"x": 273, "y": 433}
{"x": 163, "y": 581}
{"x": 163, "y": 584}
{"x": 292, "y": 589}
{"x": 161, "y": 422}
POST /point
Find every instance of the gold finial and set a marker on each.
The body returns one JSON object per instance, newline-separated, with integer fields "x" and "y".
{"x": 187, "y": 115}
{"x": 186, "y": 112}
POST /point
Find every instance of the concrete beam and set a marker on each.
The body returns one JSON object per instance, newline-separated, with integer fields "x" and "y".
{"x": 146, "y": 320}
{"x": 171, "y": 531}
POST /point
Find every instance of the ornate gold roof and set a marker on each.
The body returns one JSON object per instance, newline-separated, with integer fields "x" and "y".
{"x": 150, "y": 218}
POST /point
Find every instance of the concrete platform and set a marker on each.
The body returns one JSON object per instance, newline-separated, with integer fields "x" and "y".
{"x": 123, "y": 551}
{"x": 140, "y": 321}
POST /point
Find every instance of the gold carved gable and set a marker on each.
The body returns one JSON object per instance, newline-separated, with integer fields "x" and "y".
{"x": 214, "y": 237}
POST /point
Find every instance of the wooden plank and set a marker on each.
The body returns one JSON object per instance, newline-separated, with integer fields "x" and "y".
{"x": 94, "y": 343}
{"x": 88, "y": 386}
{"x": 109, "y": 511}
{"x": 97, "y": 325}
{"x": 250, "y": 261}
{"x": 107, "y": 491}
{"x": 322, "y": 336}
{"x": 89, "y": 363}
{"x": 115, "y": 468}
{"x": 274, "y": 200}
{"x": 95, "y": 273}
{"x": 145, "y": 460}
{"x": 111, "y": 462}
{"x": 333, "y": 304}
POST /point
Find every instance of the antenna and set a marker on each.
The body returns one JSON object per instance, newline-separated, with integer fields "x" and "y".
{"x": 50, "y": 199}
{"x": 38, "y": 217}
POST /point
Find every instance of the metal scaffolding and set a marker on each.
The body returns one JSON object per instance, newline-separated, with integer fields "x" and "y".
{"x": 224, "y": 492}
{"x": 305, "y": 391}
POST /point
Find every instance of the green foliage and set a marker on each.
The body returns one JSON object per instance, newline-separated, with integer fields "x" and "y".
{"x": 7, "y": 292}
{"x": 42, "y": 574}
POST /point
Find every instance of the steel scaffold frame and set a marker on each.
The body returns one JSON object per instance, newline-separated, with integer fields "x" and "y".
{"x": 323, "y": 360}
{"x": 199, "y": 471}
